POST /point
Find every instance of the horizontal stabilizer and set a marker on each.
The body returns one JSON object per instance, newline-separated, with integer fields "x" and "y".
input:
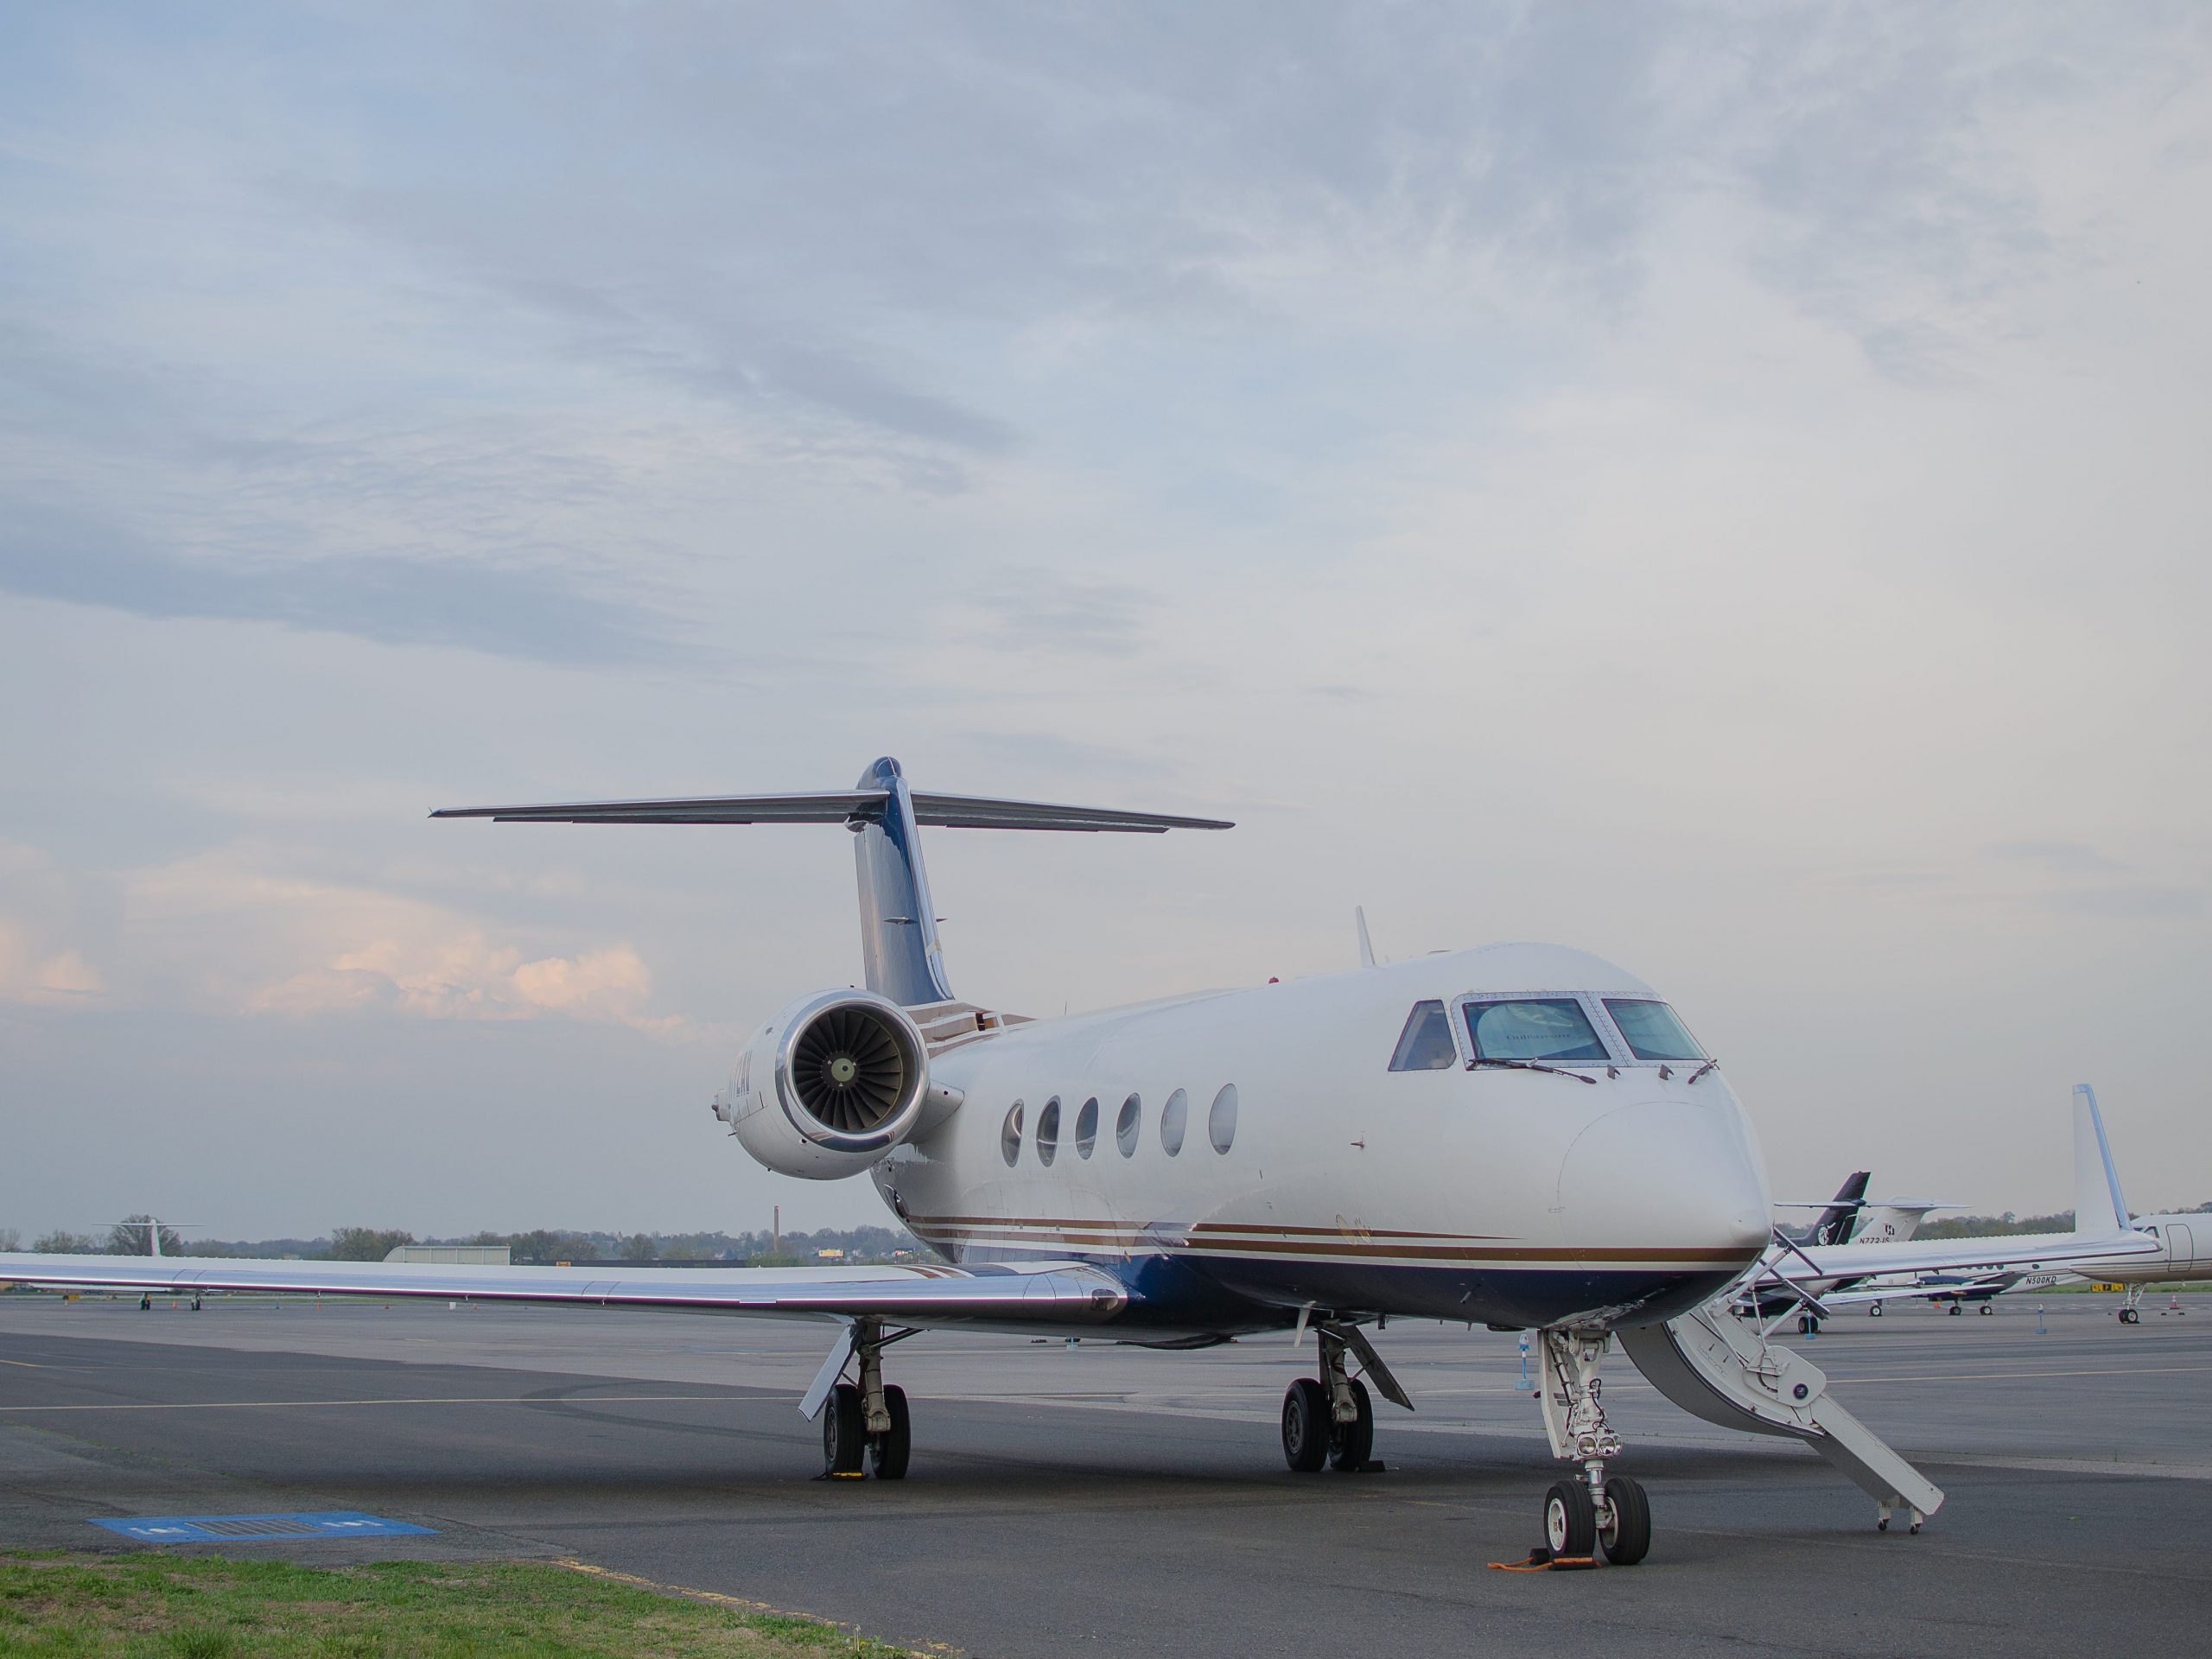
{"x": 840, "y": 806}
{"x": 901, "y": 955}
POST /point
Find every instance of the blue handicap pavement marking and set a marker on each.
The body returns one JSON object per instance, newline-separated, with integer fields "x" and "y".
{"x": 229, "y": 1529}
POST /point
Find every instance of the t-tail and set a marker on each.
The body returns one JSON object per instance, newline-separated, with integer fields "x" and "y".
{"x": 2098, "y": 1209}
{"x": 903, "y": 957}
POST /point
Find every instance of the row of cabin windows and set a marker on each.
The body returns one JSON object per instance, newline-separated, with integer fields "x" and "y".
{"x": 1220, "y": 1126}
{"x": 1548, "y": 1029}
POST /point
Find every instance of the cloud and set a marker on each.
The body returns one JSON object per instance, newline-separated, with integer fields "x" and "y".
{"x": 469, "y": 977}
{"x": 2059, "y": 857}
{"x": 394, "y": 599}
{"x": 1028, "y": 608}
{"x": 30, "y": 974}
{"x": 239, "y": 931}
{"x": 1740, "y": 460}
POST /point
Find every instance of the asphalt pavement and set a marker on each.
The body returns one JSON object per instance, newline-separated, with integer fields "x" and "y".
{"x": 1109, "y": 1500}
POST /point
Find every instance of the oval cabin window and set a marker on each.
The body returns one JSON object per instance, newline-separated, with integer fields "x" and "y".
{"x": 1170, "y": 1122}
{"x": 1126, "y": 1126}
{"x": 1086, "y": 1128}
{"x": 1010, "y": 1136}
{"x": 1221, "y": 1119}
{"x": 1048, "y": 1132}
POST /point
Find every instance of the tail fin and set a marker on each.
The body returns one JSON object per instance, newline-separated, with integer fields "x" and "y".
{"x": 1835, "y": 1223}
{"x": 899, "y": 941}
{"x": 2098, "y": 1206}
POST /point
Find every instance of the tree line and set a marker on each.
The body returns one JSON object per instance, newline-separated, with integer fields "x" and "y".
{"x": 539, "y": 1246}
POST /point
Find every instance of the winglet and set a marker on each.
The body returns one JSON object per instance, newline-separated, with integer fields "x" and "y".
{"x": 1366, "y": 945}
{"x": 2098, "y": 1206}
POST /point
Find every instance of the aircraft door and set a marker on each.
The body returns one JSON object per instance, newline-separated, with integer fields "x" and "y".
{"x": 2181, "y": 1245}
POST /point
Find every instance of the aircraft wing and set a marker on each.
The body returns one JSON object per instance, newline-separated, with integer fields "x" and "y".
{"x": 1992, "y": 1284}
{"x": 1020, "y": 1293}
{"x": 2020, "y": 1252}
{"x": 2100, "y": 1230}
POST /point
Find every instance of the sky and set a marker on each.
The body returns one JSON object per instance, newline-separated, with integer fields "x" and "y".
{"x": 1722, "y": 486}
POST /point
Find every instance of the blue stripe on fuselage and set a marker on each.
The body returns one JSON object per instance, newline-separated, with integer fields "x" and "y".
{"x": 1232, "y": 1294}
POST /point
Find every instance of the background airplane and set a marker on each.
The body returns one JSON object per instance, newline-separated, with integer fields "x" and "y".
{"x": 2181, "y": 1252}
{"x": 1847, "y": 1218}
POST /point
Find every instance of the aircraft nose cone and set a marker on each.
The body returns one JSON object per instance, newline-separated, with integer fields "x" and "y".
{"x": 1670, "y": 1175}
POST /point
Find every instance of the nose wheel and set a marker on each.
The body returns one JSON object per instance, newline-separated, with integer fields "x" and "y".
{"x": 1596, "y": 1511}
{"x": 1625, "y": 1528}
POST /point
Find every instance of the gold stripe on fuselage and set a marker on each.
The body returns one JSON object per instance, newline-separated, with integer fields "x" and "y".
{"x": 1318, "y": 1244}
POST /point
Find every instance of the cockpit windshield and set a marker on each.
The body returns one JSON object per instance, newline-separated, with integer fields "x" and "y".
{"x": 1537, "y": 1028}
{"x": 1652, "y": 1031}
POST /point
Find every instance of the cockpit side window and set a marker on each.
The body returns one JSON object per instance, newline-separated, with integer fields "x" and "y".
{"x": 1544, "y": 1029}
{"x": 1425, "y": 1043}
{"x": 1652, "y": 1031}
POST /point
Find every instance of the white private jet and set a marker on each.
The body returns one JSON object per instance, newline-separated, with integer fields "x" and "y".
{"x": 2172, "y": 1254}
{"x": 1522, "y": 1135}
{"x": 1850, "y": 1217}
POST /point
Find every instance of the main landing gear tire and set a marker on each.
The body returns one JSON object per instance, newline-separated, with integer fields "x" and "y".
{"x": 1985, "y": 1310}
{"x": 2129, "y": 1316}
{"x": 1351, "y": 1445}
{"x": 888, "y": 1451}
{"x": 1570, "y": 1520}
{"x": 1875, "y": 1312}
{"x": 1808, "y": 1326}
{"x": 1625, "y": 1533}
{"x": 1306, "y": 1427}
{"x": 1954, "y": 1310}
{"x": 844, "y": 1432}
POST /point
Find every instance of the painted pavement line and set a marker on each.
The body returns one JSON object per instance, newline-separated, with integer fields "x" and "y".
{"x": 457, "y": 1400}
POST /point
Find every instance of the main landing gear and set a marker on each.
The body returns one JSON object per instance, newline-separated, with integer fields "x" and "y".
{"x": 1583, "y": 1516}
{"x": 865, "y": 1423}
{"x": 1329, "y": 1420}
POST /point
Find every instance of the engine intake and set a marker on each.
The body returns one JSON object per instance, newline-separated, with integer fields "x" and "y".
{"x": 830, "y": 1086}
{"x": 851, "y": 1070}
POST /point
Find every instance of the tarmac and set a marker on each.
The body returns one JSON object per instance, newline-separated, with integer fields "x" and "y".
{"x": 1106, "y": 1500}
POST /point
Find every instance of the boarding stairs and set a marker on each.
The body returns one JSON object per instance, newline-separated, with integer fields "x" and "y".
{"x": 1722, "y": 1369}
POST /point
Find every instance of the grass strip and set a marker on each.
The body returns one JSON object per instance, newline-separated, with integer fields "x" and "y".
{"x": 164, "y": 1607}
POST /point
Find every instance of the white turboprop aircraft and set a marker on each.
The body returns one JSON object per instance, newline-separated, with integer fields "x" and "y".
{"x": 1523, "y": 1135}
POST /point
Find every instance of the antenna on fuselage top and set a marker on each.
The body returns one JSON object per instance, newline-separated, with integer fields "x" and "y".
{"x": 1366, "y": 945}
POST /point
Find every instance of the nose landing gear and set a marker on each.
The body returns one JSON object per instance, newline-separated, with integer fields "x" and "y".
{"x": 1594, "y": 1512}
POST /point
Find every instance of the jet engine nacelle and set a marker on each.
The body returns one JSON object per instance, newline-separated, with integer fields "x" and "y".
{"x": 829, "y": 1086}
